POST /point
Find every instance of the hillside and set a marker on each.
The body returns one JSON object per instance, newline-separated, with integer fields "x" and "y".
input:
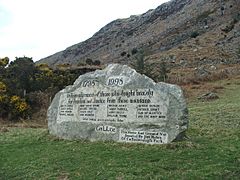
{"x": 185, "y": 33}
{"x": 212, "y": 150}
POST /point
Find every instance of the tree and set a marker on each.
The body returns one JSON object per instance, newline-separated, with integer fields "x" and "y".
{"x": 163, "y": 71}
{"x": 140, "y": 62}
{"x": 155, "y": 70}
{"x": 134, "y": 51}
{"x": 20, "y": 75}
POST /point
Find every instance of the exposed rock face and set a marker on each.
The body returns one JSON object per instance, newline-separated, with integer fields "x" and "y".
{"x": 119, "y": 104}
{"x": 208, "y": 96}
{"x": 189, "y": 30}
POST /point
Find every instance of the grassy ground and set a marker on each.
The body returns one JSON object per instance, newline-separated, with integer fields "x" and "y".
{"x": 211, "y": 152}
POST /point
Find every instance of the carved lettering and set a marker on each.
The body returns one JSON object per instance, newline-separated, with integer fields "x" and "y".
{"x": 115, "y": 81}
{"x": 119, "y": 106}
{"x": 89, "y": 83}
{"x": 148, "y": 137}
{"x": 106, "y": 129}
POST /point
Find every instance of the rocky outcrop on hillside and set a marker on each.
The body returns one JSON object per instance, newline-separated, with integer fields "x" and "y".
{"x": 185, "y": 33}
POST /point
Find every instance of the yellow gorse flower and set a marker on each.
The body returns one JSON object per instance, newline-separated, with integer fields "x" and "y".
{"x": 22, "y": 106}
{"x": 2, "y": 98}
{"x": 15, "y": 99}
{"x": 3, "y": 87}
{"x": 19, "y": 104}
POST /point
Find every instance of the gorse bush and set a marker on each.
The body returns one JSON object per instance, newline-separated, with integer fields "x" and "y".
{"x": 3, "y": 87}
{"x": 4, "y": 61}
{"x": 13, "y": 107}
{"x": 19, "y": 108}
{"x": 23, "y": 84}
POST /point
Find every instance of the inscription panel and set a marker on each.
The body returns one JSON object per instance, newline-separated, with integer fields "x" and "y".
{"x": 148, "y": 137}
{"x": 95, "y": 104}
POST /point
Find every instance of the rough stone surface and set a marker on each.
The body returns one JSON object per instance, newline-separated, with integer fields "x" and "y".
{"x": 119, "y": 104}
{"x": 208, "y": 96}
{"x": 163, "y": 32}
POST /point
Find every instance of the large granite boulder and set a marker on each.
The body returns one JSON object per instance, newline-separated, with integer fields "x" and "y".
{"x": 119, "y": 104}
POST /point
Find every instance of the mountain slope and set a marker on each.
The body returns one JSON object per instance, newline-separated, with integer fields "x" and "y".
{"x": 185, "y": 32}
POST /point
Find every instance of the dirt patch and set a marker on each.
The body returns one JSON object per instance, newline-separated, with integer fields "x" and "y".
{"x": 4, "y": 130}
{"x": 21, "y": 124}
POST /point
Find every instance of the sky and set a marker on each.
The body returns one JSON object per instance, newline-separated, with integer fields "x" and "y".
{"x": 39, "y": 28}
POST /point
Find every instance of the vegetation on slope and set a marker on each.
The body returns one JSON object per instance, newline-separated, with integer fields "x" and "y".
{"x": 26, "y": 89}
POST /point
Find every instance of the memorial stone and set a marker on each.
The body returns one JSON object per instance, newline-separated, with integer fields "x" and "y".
{"x": 119, "y": 104}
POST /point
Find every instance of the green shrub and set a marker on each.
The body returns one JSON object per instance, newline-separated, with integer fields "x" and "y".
{"x": 81, "y": 64}
{"x": 236, "y": 18}
{"x": 97, "y": 63}
{"x": 4, "y": 61}
{"x": 89, "y": 61}
{"x": 63, "y": 66}
{"x": 134, "y": 51}
{"x": 194, "y": 34}
{"x": 228, "y": 28}
{"x": 156, "y": 71}
{"x": 123, "y": 53}
{"x": 13, "y": 107}
{"x": 3, "y": 87}
{"x": 4, "y": 104}
{"x": 43, "y": 67}
{"x": 19, "y": 108}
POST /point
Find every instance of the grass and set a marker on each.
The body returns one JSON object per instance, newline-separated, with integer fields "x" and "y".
{"x": 212, "y": 150}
